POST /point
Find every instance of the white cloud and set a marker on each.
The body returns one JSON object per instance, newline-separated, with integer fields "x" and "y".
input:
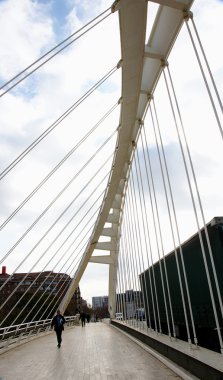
{"x": 27, "y": 31}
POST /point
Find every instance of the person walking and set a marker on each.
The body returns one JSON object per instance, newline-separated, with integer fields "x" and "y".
{"x": 58, "y": 324}
{"x": 82, "y": 318}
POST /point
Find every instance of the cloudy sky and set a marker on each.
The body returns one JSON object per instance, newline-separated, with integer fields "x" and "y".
{"x": 29, "y": 29}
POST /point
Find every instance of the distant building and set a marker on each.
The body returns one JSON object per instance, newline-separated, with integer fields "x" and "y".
{"x": 42, "y": 282}
{"x": 98, "y": 302}
{"x": 128, "y": 302}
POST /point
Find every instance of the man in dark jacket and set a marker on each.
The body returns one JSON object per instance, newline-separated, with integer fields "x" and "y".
{"x": 82, "y": 318}
{"x": 58, "y": 322}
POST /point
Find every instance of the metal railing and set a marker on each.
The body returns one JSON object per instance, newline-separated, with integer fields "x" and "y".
{"x": 13, "y": 335}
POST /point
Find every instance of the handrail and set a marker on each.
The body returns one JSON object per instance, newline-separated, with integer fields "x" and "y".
{"x": 25, "y": 331}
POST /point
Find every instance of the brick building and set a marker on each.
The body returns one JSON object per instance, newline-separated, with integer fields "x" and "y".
{"x": 49, "y": 283}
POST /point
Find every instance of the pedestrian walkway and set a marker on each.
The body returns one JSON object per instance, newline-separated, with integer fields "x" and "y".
{"x": 97, "y": 351}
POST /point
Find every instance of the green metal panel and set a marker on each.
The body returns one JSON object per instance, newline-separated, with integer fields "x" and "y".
{"x": 197, "y": 283}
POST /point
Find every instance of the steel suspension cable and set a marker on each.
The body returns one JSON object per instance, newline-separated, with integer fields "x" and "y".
{"x": 124, "y": 249}
{"x": 122, "y": 287}
{"x": 131, "y": 265}
{"x": 155, "y": 299}
{"x": 158, "y": 221}
{"x": 197, "y": 221}
{"x": 145, "y": 308}
{"x": 170, "y": 217}
{"x": 53, "y": 310}
{"x": 124, "y": 283}
{"x": 120, "y": 295}
{"x": 55, "y": 239}
{"x": 48, "y": 207}
{"x": 131, "y": 256}
{"x": 137, "y": 235}
{"x": 158, "y": 250}
{"x": 56, "y": 123}
{"x": 129, "y": 228}
{"x": 151, "y": 287}
{"x": 198, "y": 195}
{"x": 52, "y": 56}
{"x": 200, "y": 236}
{"x": 59, "y": 273}
{"x": 39, "y": 273}
{"x": 207, "y": 64}
{"x": 205, "y": 81}
{"x": 42, "y": 183}
{"x": 57, "y": 251}
{"x": 142, "y": 203}
{"x": 143, "y": 281}
{"x": 59, "y": 296}
{"x": 118, "y": 292}
{"x": 80, "y": 192}
{"x": 138, "y": 218}
{"x": 60, "y": 216}
{"x": 120, "y": 252}
{"x": 41, "y": 258}
{"x": 81, "y": 250}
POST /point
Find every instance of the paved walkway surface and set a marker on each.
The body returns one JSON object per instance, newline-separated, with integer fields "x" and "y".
{"x": 97, "y": 351}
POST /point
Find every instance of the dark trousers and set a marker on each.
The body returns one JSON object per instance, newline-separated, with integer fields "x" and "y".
{"x": 59, "y": 334}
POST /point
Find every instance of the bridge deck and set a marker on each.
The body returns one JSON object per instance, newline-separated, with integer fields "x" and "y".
{"x": 96, "y": 351}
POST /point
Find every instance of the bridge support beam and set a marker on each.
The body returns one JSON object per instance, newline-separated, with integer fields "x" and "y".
{"x": 132, "y": 47}
{"x": 141, "y": 68}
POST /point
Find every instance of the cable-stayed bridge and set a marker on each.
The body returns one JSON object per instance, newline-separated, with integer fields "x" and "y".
{"x": 134, "y": 186}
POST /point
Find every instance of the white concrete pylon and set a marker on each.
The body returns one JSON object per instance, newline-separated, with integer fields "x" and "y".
{"x": 141, "y": 66}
